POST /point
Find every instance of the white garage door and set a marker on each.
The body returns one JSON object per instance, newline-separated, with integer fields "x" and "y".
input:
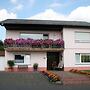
{"x": 2, "y": 63}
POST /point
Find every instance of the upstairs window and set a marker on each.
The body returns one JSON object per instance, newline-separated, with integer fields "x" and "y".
{"x": 45, "y": 36}
{"x": 82, "y": 37}
{"x": 34, "y": 36}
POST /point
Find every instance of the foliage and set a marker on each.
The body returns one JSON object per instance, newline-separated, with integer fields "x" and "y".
{"x": 1, "y": 43}
{"x": 30, "y": 42}
{"x": 35, "y": 66}
{"x": 9, "y": 42}
{"x": 1, "y": 46}
{"x": 10, "y": 63}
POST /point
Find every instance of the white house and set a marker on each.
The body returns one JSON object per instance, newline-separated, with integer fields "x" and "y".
{"x": 47, "y": 43}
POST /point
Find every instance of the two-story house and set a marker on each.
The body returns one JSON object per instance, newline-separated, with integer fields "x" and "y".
{"x": 48, "y": 43}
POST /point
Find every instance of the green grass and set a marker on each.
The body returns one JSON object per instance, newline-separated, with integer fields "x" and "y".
{"x": 86, "y": 70}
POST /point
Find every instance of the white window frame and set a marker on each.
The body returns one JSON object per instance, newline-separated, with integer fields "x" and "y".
{"x": 80, "y": 58}
{"x": 81, "y": 41}
{"x": 35, "y": 33}
{"x": 88, "y": 63}
{"x": 21, "y": 55}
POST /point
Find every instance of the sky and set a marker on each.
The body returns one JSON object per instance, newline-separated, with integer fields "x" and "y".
{"x": 70, "y": 10}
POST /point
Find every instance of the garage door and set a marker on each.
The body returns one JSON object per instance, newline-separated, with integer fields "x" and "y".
{"x": 2, "y": 63}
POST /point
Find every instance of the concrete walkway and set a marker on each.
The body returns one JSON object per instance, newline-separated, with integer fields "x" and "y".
{"x": 32, "y": 81}
{"x": 72, "y": 78}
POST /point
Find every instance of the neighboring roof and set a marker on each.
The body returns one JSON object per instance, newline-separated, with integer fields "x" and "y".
{"x": 44, "y": 22}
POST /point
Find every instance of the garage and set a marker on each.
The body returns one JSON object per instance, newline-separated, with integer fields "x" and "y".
{"x": 2, "y": 61}
{"x": 2, "y": 64}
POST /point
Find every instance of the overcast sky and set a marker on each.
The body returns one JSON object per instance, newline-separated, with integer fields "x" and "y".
{"x": 77, "y": 10}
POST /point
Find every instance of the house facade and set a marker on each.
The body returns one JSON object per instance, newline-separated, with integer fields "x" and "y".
{"x": 48, "y": 43}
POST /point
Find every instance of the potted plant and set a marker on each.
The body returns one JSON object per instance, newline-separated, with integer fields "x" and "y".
{"x": 10, "y": 64}
{"x": 35, "y": 66}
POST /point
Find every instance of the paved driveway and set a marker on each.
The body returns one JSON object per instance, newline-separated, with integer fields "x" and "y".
{"x": 73, "y": 78}
{"x": 32, "y": 81}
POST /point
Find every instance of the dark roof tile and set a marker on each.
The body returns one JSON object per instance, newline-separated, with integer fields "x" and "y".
{"x": 44, "y": 22}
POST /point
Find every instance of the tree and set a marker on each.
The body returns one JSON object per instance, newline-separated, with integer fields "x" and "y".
{"x": 1, "y": 43}
{"x": 1, "y": 46}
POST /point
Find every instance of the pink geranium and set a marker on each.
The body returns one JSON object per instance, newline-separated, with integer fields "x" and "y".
{"x": 30, "y": 42}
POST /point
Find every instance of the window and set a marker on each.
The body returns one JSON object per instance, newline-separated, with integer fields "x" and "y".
{"x": 85, "y": 58}
{"x": 34, "y": 36}
{"x": 82, "y": 58}
{"x": 77, "y": 57}
{"x": 19, "y": 59}
{"x": 82, "y": 37}
{"x": 45, "y": 36}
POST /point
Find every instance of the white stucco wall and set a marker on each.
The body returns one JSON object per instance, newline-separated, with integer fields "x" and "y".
{"x": 40, "y": 58}
{"x": 8, "y": 56}
{"x": 71, "y": 47}
{"x": 16, "y": 34}
{"x": 35, "y": 57}
{"x": 12, "y": 34}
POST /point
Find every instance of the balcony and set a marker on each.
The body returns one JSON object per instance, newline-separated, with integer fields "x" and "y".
{"x": 27, "y": 45}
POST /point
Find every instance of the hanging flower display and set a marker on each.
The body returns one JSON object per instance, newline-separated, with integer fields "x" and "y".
{"x": 39, "y": 43}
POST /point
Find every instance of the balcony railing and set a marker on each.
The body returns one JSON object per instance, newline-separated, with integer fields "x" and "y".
{"x": 33, "y": 45}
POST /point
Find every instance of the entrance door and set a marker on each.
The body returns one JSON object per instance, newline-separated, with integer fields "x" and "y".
{"x": 52, "y": 59}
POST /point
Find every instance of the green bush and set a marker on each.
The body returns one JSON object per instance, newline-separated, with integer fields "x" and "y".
{"x": 35, "y": 66}
{"x": 1, "y": 43}
{"x": 10, "y": 63}
{"x": 1, "y": 48}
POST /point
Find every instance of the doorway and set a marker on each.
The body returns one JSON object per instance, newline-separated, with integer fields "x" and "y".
{"x": 52, "y": 60}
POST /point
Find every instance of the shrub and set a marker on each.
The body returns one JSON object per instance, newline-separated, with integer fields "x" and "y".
{"x": 35, "y": 66}
{"x": 1, "y": 48}
{"x": 10, "y": 63}
{"x": 1, "y": 43}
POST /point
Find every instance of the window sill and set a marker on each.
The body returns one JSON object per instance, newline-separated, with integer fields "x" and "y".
{"x": 82, "y": 41}
{"x": 82, "y": 64}
{"x": 21, "y": 64}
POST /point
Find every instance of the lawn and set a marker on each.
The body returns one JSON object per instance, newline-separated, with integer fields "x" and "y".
{"x": 86, "y": 70}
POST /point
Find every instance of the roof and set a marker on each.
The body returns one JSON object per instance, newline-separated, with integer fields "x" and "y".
{"x": 44, "y": 22}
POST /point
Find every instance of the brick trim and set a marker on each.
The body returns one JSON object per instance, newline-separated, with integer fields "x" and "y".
{"x": 15, "y": 69}
{"x": 79, "y": 68}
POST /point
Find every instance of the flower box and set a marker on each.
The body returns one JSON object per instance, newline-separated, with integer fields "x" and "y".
{"x": 39, "y": 43}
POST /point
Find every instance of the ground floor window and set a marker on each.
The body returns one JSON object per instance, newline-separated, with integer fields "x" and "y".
{"x": 82, "y": 58}
{"x": 19, "y": 58}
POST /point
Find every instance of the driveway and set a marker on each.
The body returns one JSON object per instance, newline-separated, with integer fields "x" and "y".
{"x": 32, "y": 81}
{"x": 73, "y": 78}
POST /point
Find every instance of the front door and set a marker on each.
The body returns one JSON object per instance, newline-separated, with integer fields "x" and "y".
{"x": 52, "y": 60}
